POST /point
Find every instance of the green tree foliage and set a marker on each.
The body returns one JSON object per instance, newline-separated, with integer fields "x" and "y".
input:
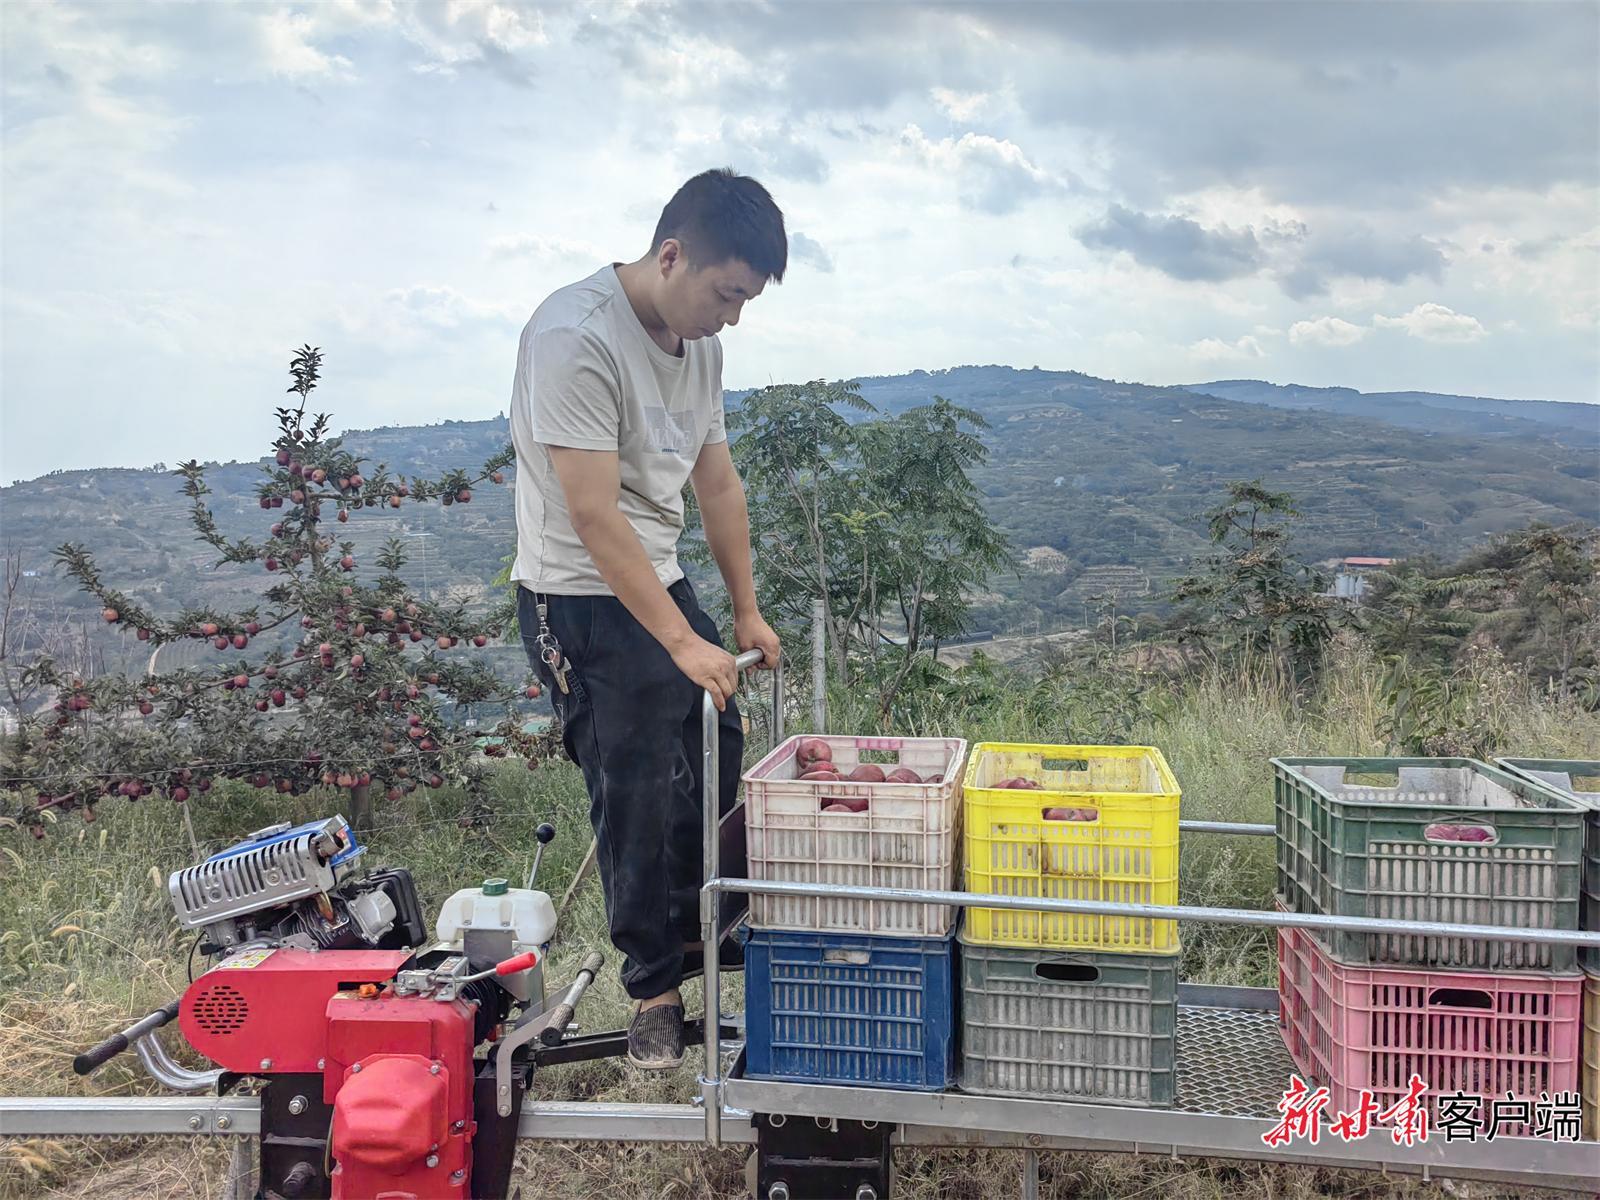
{"x": 1549, "y": 619}
{"x": 878, "y": 518}
{"x": 1533, "y": 594}
{"x": 1421, "y": 614}
{"x": 1251, "y": 596}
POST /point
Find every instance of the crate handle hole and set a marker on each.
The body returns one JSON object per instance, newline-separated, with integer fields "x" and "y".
{"x": 1455, "y": 831}
{"x": 1067, "y": 972}
{"x": 1461, "y": 998}
{"x": 1372, "y": 779}
{"x": 1064, "y": 764}
{"x": 854, "y": 958}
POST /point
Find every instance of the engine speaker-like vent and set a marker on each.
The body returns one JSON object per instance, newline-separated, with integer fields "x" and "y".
{"x": 222, "y": 1010}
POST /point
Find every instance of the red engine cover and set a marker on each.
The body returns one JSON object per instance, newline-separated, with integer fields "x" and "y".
{"x": 268, "y": 1006}
{"x": 399, "y": 1075}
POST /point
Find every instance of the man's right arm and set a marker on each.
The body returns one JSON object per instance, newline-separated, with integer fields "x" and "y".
{"x": 592, "y": 483}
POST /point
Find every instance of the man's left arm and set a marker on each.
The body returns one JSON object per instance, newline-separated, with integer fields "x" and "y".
{"x": 720, "y": 495}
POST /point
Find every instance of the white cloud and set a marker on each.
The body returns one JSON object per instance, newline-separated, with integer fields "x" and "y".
{"x": 960, "y": 106}
{"x": 406, "y": 321}
{"x": 1215, "y": 350}
{"x": 992, "y": 174}
{"x": 1326, "y": 331}
{"x": 1435, "y": 323}
{"x": 286, "y": 43}
{"x": 542, "y": 248}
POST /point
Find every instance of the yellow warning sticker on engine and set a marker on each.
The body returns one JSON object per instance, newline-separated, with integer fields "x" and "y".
{"x": 250, "y": 958}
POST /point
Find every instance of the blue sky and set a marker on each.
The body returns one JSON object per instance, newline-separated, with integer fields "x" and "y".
{"x": 1378, "y": 196}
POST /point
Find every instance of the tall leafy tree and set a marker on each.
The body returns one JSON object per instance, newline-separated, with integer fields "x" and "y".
{"x": 1549, "y": 616}
{"x": 1250, "y": 595}
{"x": 877, "y": 517}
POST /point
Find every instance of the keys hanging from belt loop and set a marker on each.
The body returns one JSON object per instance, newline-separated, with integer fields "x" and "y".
{"x": 550, "y": 650}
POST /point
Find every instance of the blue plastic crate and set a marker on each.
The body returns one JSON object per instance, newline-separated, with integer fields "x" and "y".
{"x": 849, "y": 1009}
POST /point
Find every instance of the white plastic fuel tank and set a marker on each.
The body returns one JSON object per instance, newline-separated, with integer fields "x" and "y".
{"x": 529, "y": 915}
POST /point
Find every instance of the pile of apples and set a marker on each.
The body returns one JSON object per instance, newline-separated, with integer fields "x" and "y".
{"x": 814, "y": 760}
{"x": 1023, "y": 783}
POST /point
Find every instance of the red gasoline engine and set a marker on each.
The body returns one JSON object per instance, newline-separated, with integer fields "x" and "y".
{"x": 363, "y": 1037}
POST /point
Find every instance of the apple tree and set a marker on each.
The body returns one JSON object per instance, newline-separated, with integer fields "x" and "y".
{"x": 336, "y": 679}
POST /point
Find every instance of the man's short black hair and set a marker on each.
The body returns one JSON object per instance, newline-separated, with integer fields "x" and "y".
{"x": 718, "y": 215}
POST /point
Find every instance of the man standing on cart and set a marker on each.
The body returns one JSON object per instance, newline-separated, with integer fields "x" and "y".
{"x": 616, "y": 404}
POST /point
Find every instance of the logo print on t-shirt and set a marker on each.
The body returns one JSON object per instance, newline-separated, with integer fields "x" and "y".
{"x": 666, "y": 431}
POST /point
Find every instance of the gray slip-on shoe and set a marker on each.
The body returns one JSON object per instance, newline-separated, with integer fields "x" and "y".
{"x": 655, "y": 1038}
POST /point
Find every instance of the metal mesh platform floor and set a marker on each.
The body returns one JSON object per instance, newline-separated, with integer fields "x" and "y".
{"x": 1231, "y": 1062}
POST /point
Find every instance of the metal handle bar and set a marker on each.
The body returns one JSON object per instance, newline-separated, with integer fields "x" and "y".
{"x": 161, "y": 1067}
{"x": 556, "y": 1024}
{"x": 1166, "y": 912}
{"x": 1248, "y": 830}
{"x": 114, "y": 1045}
{"x": 710, "y": 801}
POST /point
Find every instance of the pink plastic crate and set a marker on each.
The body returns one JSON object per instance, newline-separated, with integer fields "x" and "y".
{"x": 1353, "y": 1028}
{"x": 906, "y": 837}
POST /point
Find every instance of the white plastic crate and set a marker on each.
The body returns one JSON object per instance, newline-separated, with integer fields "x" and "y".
{"x": 906, "y": 837}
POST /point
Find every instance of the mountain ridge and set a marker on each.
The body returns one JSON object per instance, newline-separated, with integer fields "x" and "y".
{"x": 1100, "y": 483}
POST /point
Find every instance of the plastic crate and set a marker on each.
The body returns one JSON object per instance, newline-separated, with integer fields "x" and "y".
{"x": 1370, "y": 1028}
{"x": 905, "y": 838}
{"x": 1578, "y": 780}
{"x": 1591, "y": 1058}
{"x": 1128, "y": 853}
{"x": 848, "y": 1009}
{"x": 1080, "y": 1025}
{"x": 1352, "y": 848}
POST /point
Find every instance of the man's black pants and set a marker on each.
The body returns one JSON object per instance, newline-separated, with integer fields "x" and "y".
{"x": 631, "y": 721}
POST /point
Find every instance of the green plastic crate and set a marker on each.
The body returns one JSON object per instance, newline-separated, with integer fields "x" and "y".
{"x": 1388, "y": 847}
{"x": 1579, "y": 780}
{"x": 1069, "y": 1024}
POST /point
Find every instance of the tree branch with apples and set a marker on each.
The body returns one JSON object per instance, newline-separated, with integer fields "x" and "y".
{"x": 332, "y": 681}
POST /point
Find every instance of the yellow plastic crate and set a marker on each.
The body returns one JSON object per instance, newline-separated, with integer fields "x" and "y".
{"x": 1127, "y": 853}
{"x": 1591, "y": 1058}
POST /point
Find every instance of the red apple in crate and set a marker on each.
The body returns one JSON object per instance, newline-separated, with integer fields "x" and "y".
{"x": 866, "y": 773}
{"x": 1071, "y": 814}
{"x": 1458, "y": 833}
{"x": 857, "y": 804}
{"x": 902, "y": 775}
{"x": 820, "y": 776}
{"x": 837, "y": 808}
{"x": 812, "y": 750}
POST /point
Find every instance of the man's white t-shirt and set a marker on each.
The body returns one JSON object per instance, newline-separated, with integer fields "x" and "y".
{"x": 590, "y": 377}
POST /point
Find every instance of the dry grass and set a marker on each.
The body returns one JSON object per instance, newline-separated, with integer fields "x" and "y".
{"x": 87, "y": 938}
